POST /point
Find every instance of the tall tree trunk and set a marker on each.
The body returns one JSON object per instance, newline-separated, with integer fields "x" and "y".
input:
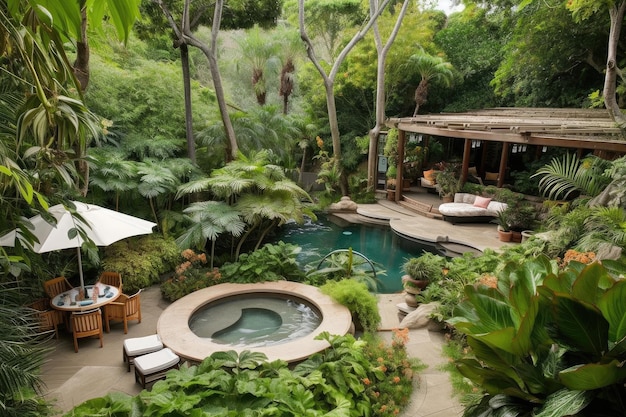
{"x": 184, "y": 60}
{"x": 610, "y": 80}
{"x": 81, "y": 64}
{"x": 81, "y": 71}
{"x": 329, "y": 79}
{"x": 286, "y": 83}
{"x": 211, "y": 54}
{"x": 382, "y": 51}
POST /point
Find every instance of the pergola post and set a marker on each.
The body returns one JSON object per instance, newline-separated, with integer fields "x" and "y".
{"x": 504, "y": 160}
{"x": 467, "y": 149}
{"x": 400, "y": 162}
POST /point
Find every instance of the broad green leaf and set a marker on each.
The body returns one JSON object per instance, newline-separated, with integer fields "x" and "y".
{"x": 613, "y": 307}
{"x": 564, "y": 403}
{"x": 585, "y": 287}
{"x": 593, "y": 376}
{"x": 579, "y": 325}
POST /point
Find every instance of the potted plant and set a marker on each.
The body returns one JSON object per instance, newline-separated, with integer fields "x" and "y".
{"x": 448, "y": 184}
{"x": 521, "y": 217}
{"x": 420, "y": 272}
{"x": 504, "y": 230}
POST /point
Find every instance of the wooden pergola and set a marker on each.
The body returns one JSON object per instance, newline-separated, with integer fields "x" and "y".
{"x": 581, "y": 129}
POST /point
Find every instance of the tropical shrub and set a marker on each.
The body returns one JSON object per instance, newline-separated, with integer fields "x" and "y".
{"x": 191, "y": 275}
{"x": 546, "y": 342}
{"x": 141, "y": 261}
{"x": 356, "y": 297}
{"x": 272, "y": 262}
{"x": 349, "y": 379}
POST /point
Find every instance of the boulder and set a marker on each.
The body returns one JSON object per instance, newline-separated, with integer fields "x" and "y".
{"x": 420, "y": 317}
{"x": 345, "y": 204}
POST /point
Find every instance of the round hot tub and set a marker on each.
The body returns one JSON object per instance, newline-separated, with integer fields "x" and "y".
{"x": 277, "y": 315}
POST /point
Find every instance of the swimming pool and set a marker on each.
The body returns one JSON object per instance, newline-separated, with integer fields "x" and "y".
{"x": 379, "y": 244}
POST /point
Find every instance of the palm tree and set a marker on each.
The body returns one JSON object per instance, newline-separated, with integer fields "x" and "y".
{"x": 430, "y": 69}
{"x": 605, "y": 225}
{"x": 258, "y": 190}
{"x": 112, "y": 172}
{"x": 208, "y": 220}
{"x": 569, "y": 174}
{"x": 290, "y": 47}
{"x": 259, "y": 52}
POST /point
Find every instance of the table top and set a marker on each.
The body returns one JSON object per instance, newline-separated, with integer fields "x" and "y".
{"x": 64, "y": 302}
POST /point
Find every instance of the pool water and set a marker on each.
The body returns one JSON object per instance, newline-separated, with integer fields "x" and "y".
{"x": 379, "y": 244}
{"x": 255, "y": 320}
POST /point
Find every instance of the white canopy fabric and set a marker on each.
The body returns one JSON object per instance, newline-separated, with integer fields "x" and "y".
{"x": 101, "y": 225}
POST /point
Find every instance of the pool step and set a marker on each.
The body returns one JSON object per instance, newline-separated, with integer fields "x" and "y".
{"x": 424, "y": 209}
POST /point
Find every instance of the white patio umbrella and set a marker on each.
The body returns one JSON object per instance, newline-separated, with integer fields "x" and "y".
{"x": 101, "y": 225}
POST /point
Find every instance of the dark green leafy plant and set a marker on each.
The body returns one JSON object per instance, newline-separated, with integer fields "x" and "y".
{"x": 141, "y": 261}
{"x": 545, "y": 342}
{"x": 351, "y": 378}
{"x": 272, "y": 262}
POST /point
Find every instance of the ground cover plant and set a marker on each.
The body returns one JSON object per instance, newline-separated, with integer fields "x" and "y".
{"x": 351, "y": 378}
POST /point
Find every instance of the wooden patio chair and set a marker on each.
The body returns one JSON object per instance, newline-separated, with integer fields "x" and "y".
{"x": 113, "y": 279}
{"x": 56, "y": 286}
{"x": 87, "y": 324}
{"x": 48, "y": 319}
{"x": 125, "y": 309}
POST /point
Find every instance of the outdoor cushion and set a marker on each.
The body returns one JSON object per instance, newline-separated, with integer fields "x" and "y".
{"x": 491, "y": 176}
{"x": 430, "y": 175}
{"x": 138, "y": 346}
{"x": 154, "y": 365}
{"x": 465, "y": 210}
{"x": 481, "y": 202}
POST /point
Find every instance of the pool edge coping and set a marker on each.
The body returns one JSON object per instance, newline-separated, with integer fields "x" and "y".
{"x": 173, "y": 323}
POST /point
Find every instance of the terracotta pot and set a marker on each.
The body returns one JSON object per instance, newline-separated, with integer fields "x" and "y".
{"x": 505, "y": 236}
{"x": 409, "y": 282}
{"x": 447, "y": 199}
{"x": 516, "y": 237}
{"x": 391, "y": 195}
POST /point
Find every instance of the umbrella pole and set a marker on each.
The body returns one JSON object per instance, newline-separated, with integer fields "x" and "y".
{"x": 80, "y": 270}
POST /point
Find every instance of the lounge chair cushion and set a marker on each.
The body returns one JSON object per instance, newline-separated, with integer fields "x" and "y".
{"x": 156, "y": 361}
{"x": 141, "y": 345}
{"x": 481, "y": 202}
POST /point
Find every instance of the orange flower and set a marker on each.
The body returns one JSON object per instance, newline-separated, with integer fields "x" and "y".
{"x": 488, "y": 281}
{"x": 380, "y": 359}
{"x": 367, "y": 381}
{"x": 188, "y": 254}
{"x": 396, "y": 379}
{"x": 383, "y": 408}
{"x": 319, "y": 141}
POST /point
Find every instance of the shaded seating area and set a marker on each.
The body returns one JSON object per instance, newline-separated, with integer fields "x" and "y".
{"x": 125, "y": 309}
{"x": 87, "y": 324}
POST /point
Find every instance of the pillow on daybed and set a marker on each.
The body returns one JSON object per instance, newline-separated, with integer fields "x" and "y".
{"x": 430, "y": 175}
{"x": 481, "y": 202}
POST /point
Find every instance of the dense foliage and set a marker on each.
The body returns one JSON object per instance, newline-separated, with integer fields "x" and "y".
{"x": 546, "y": 342}
{"x": 352, "y": 378}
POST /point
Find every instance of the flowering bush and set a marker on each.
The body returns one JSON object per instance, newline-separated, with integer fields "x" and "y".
{"x": 189, "y": 276}
{"x": 391, "y": 389}
{"x": 574, "y": 255}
